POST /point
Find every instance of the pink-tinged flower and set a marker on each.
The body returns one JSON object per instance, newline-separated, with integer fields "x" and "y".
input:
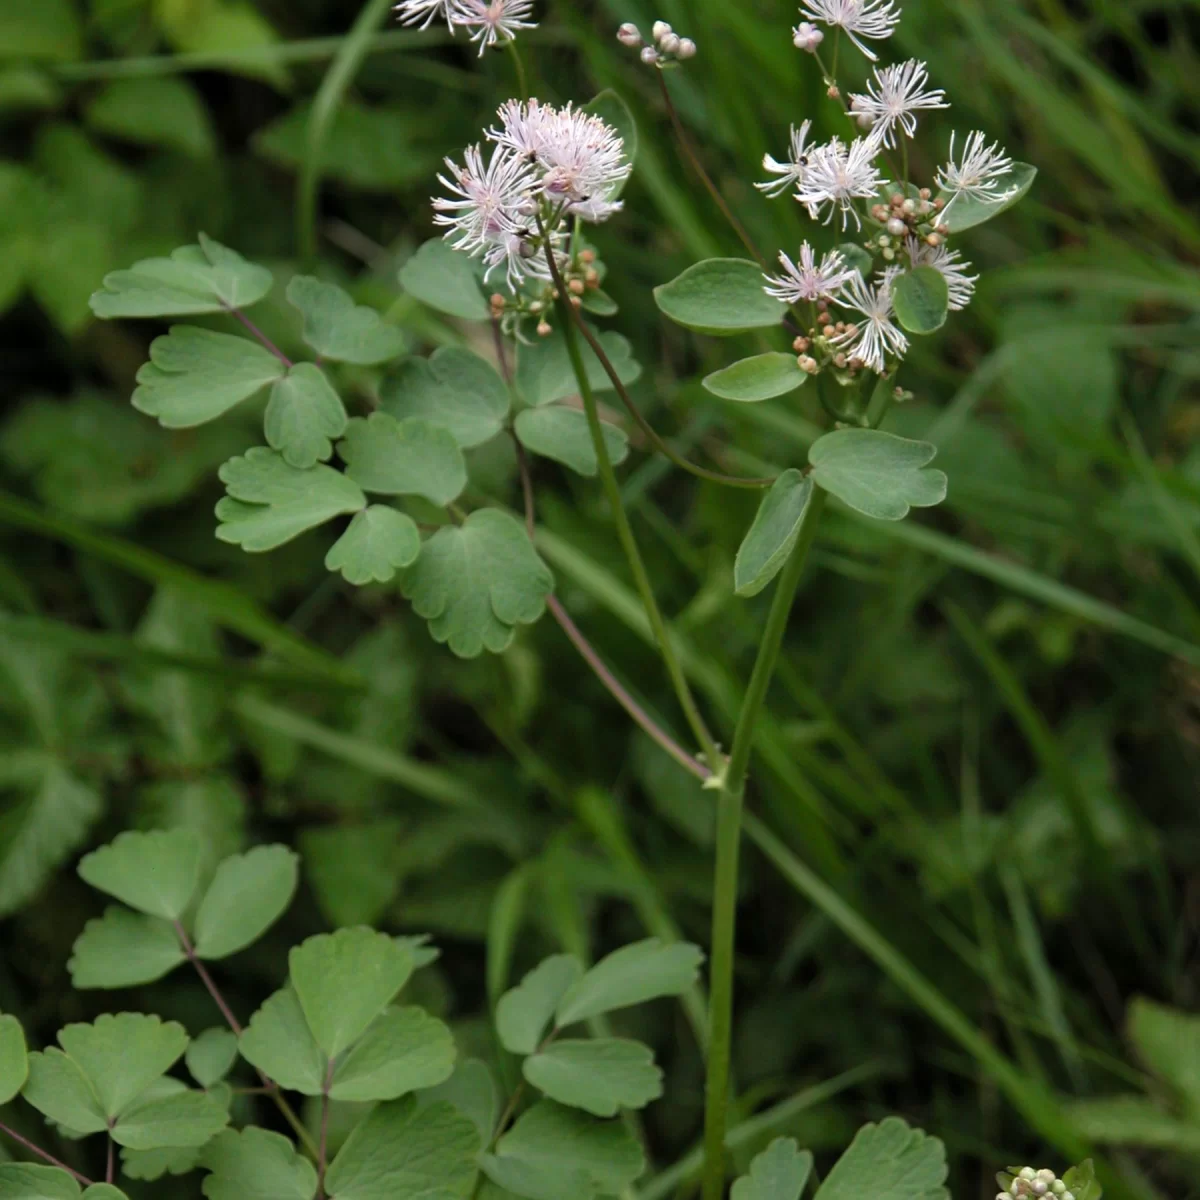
{"x": 425, "y": 12}
{"x": 872, "y": 339}
{"x": 810, "y": 280}
{"x": 980, "y": 173}
{"x": 894, "y": 96}
{"x": 837, "y": 175}
{"x": 873, "y": 19}
{"x": 789, "y": 173}
{"x": 492, "y": 21}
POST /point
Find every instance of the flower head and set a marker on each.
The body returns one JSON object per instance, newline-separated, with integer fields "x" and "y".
{"x": 892, "y": 98}
{"x": 811, "y": 280}
{"x": 790, "y": 172}
{"x": 858, "y": 18}
{"x": 491, "y": 21}
{"x": 425, "y": 12}
{"x": 871, "y": 340}
{"x": 837, "y": 175}
{"x": 949, "y": 263}
{"x": 979, "y": 173}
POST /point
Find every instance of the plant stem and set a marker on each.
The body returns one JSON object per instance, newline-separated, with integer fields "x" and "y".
{"x": 109, "y": 1168}
{"x": 258, "y": 333}
{"x": 729, "y": 828}
{"x": 519, "y": 66}
{"x": 34, "y": 1149}
{"x": 323, "y": 1142}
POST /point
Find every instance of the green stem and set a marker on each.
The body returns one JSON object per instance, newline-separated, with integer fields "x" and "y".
{"x": 519, "y": 67}
{"x": 729, "y": 829}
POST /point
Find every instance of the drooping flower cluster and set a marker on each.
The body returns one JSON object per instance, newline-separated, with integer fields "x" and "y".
{"x": 490, "y": 22}
{"x": 666, "y": 47}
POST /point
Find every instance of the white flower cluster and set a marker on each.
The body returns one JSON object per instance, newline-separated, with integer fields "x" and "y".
{"x": 490, "y": 21}
{"x": 1029, "y": 1184}
{"x": 668, "y": 47}
{"x": 546, "y": 165}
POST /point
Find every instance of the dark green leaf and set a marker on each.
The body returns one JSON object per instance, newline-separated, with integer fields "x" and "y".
{"x": 153, "y": 111}
{"x": 921, "y": 299}
{"x": 612, "y": 110}
{"x": 124, "y": 949}
{"x": 877, "y": 473}
{"x": 563, "y": 435}
{"x": 545, "y": 373}
{"x": 760, "y": 378}
{"x": 303, "y": 415}
{"x": 888, "y": 1161}
{"x": 773, "y": 534}
{"x": 413, "y": 457}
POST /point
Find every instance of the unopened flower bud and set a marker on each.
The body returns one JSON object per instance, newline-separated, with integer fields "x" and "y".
{"x": 865, "y": 120}
{"x": 1068, "y": 1196}
{"x": 629, "y": 34}
{"x": 807, "y": 37}
{"x": 587, "y": 256}
{"x": 1026, "y": 1173}
{"x": 829, "y": 331}
{"x": 592, "y": 277}
{"x": 1046, "y": 1175}
{"x": 1058, "y": 1187}
{"x": 660, "y": 30}
{"x": 884, "y": 240}
{"x": 497, "y": 300}
{"x": 543, "y": 329}
{"x": 536, "y": 307}
{"x": 669, "y": 44}
{"x": 896, "y": 227}
{"x": 925, "y": 193}
{"x": 576, "y": 302}
{"x": 576, "y": 287}
{"x": 897, "y": 199}
{"x": 909, "y": 206}
{"x": 1002, "y": 1196}
{"x": 934, "y": 239}
{"x": 687, "y": 48}
{"x": 832, "y": 91}
{"x": 649, "y": 55}
{"x": 889, "y": 254}
{"x": 1039, "y": 1187}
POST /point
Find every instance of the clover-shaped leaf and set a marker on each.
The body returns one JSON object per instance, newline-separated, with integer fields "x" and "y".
{"x": 377, "y": 543}
{"x": 403, "y": 1050}
{"x": 279, "y": 1043}
{"x": 890, "y": 1160}
{"x": 877, "y": 473}
{"x": 156, "y": 872}
{"x": 14, "y": 1060}
{"x": 124, "y": 949}
{"x": 474, "y": 582}
{"x": 563, "y": 435}
{"x": 303, "y": 415}
{"x": 195, "y": 375}
{"x": 523, "y": 1012}
{"x": 338, "y": 329}
{"x": 778, "y": 1173}
{"x": 270, "y": 502}
{"x": 452, "y": 388}
{"x": 256, "y": 1163}
{"x": 211, "y": 1055}
{"x": 631, "y": 975}
{"x": 413, "y": 457}
{"x": 445, "y": 279}
{"x": 248, "y": 894}
{"x": 195, "y": 279}
{"x": 721, "y": 297}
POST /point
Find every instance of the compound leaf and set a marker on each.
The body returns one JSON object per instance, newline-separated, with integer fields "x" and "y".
{"x": 303, "y": 415}
{"x": 631, "y": 975}
{"x": 338, "y": 329}
{"x": 601, "y": 1076}
{"x": 452, "y": 388}
{"x": 412, "y": 457}
{"x": 248, "y": 894}
{"x": 124, "y": 949}
{"x": 58, "y": 1089}
{"x": 155, "y": 872}
{"x": 405, "y": 1049}
{"x": 877, "y": 473}
{"x": 523, "y": 1012}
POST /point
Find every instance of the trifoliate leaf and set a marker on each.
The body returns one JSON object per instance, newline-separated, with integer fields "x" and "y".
{"x": 14, "y": 1059}
{"x": 720, "y": 296}
{"x": 338, "y": 329}
{"x": 413, "y": 457}
{"x": 255, "y": 1164}
{"x": 303, "y": 415}
{"x": 211, "y": 1055}
{"x": 377, "y": 543}
{"x": 1168, "y": 1042}
{"x": 186, "y": 1118}
{"x": 474, "y": 582}
{"x": 770, "y": 539}
{"x": 195, "y": 375}
{"x": 877, "y": 473}
{"x": 124, "y": 949}
{"x": 196, "y": 279}
{"x": 888, "y": 1161}
{"x": 344, "y": 980}
{"x": 1081, "y": 1181}
{"x": 523, "y": 1012}
{"x": 269, "y": 503}
{"x": 447, "y": 280}
{"x": 279, "y": 1043}
{"x": 154, "y": 111}
{"x": 248, "y": 894}
{"x": 58, "y": 1089}
{"x": 563, "y": 435}
{"x": 966, "y": 212}
{"x": 601, "y": 1076}
{"x": 759, "y": 378}
{"x": 472, "y": 1090}
{"x": 921, "y": 299}
{"x": 631, "y": 975}
{"x": 405, "y": 1152}
{"x": 405, "y": 1049}
{"x": 545, "y": 373}
{"x": 34, "y": 1181}
{"x": 452, "y": 388}
{"x": 155, "y": 872}
{"x": 778, "y": 1173}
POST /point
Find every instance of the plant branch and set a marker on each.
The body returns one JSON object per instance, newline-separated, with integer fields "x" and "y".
{"x": 110, "y": 1166}
{"x": 258, "y": 333}
{"x": 43, "y": 1154}
{"x": 323, "y": 1141}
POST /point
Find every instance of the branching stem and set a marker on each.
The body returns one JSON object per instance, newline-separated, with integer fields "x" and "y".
{"x": 43, "y": 1154}
{"x": 258, "y": 333}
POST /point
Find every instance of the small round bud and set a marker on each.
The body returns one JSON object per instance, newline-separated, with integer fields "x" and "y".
{"x": 896, "y": 227}
{"x": 1039, "y": 1187}
{"x": 592, "y": 277}
{"x": 576, "y": 302}
{"x": 576, "y": 287}
{"x": 909, "y": 206}
{"x": 829, "y": 331}
{"x": 536, "y": 307}
{"x": 933, "y": 239}
{"x": 1026, "y": 1173}
{"x": 889, "y": 254}
{"x": 925, "y": 193}
{"x": 884, "y": 240}
{"x": 587, "y": 256}
{"x": 852, "y": 329}
{"x": 897, "y": 199}
{"x": 496, "y": 300}
{"x": 807, "y": 36}
{"x": 840, "y": 360}
{"x": 1015, "y": 1186}
{"x": 669, "y": 44}
{"x": 1058, "y": 1187}
{"x": 879, "y": 212}
{"x": 1068, "y": 1196}
{"x": 649, "y": 55}
{"x": 687, "y": 48}
{"x": 543, "y": 329}
{"x": 1046, "y": 1175}
{"x": 939, "y": 204}
{"x": 660, "y": 29}
{"x": 629, "y": 34}
{"x": 832, "y": 91}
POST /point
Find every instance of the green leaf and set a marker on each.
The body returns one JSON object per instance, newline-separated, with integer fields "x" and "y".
{"x": 778, "y": 1173}
{"x": 377, "y": 543}
{"x": 404, "y": 1152}
{"x": 338, "y": 329}
{"x": 413, "y": 457}
{"x": 552, "y": 1152}
{"x": 186, "y": 1118}
{"x": 472, "y": 1090}
{"x": 58, "y": 1089}
{"x": 759, "y": 378}
{"x": 921, "y": 299}
{"x": 155, "y": 872}
{"x": 14, "y": 1059}
{"x": 631, "y": 975}
{"x": 452, "y": 388}
{"x": 523, "y": 1012}
{"x": 563, "y": 435}
{"x": 195, "y": 375}
{"x": 857, "y": 258}
{"x": 255, "y": 1164}
{"x": 124, "y": 949}
{"x": 344, "y": 980}
{"x": 103, "y": 1191}
{"x": 888, "y": 1161}
{"x": 966, "y": 212}
{"x": 447, "y": 280}
{"x": 1081, "y": 1181}
{"x": 771, "y": 537}
{"x": 303, "y": 414}
{"x": 877, "y": 473}
{"x": 720, "y": 296}
{"x": 279, "y": 1043}
{"x": 352, "y": 868}
{"x": 153, "y": 111}
{"x": 1134, "y": 1121}
{"x": 601, "y": 1076}
{"x": 154, "y": 1164}
{"x": 248, "y": 894}
{"x": 269, "y": 503}
{"x": 610, "y": 108}
{"x": 211, "y": 1055}
{"x": 1168, "y": 1042}
{"x": 405, "y": 1049}
{"x": 33, "y": 1181}
{"x": 545, "y": 373}
{"x": 474, "y": 582}
{"x": 47, "y": 31}
{"x": 206, "y": 278}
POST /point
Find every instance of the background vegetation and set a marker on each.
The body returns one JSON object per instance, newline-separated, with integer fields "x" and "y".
{"x": 976, "y": 783}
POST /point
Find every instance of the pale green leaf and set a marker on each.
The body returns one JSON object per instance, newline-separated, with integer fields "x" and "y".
{"x": 474, "y": 582}
{"x": 104, "y": 1191}
{"x": 255, "y": 1164}
{"x": 154, "y": 1164}
{"x": 778, "y": 1173}
{"x": 632, "y": 975}
{"x": 269, "y": 502}
{"x": 452, "y": 388}
{"x": 877, "y": 473}
{"x": 1168, "y": 1042}
{"x": 921, "y": 299}
{"x": 35, "y": 1181}
{"x": 303, "y": 414}
{"x": 376, "y": 544}
{"x": 195, "y": 375}
{"x": 771, "y": 537}
{"x": 563, "y": 435}
{"x": 759, "y": 378}
{"x": 601, "y": 1076}
{"x": 248, "y": 894}
{"x": 14, "y": 1059}
{"x": 153, "y": 111}
{"x": 472, "y": 1090}
{"x": 720, "y": 296}
{"x": 211, "y": 1055}
{"x": 405, "y": 1049}
{"x": 523, "y": 1012}
{"x": 1134, "y": 1121}
{"x": 58, "y": 1089}
{"x": 338, "y": 329}
{"x": 545, "y": 373}
{"x": 124, "y": 949}
{"x": 1081, "y": 1181}
{"x": 279, "y": 1043}
{"x": 412, "y": 457}
{"x": 447, "y": 280}
{"x": 155, "y": 872}
{"x": 966, "y": 212}
{"x": 888, "y": 1161}
{"x": 187, "y": 1118}
{"x": 344, "y": 980}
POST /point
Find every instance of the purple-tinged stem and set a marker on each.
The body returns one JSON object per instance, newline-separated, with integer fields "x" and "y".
{"x": 258, "y": 333}
{"x": 34, "y": 1149}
